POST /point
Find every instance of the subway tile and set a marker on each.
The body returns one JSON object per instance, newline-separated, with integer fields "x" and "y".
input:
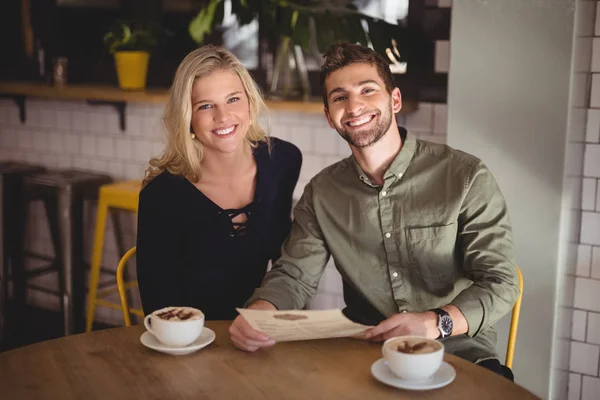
{"x": 105, "y": 147}
{"x": 592, "y": 134}
{"x": 142, "y": 150}
{"x": 578, "y": 326}
{"x": 442, "y": 56}
{"x": 302, "y": 138}
{"x": 157, "y": 148}
{"x": 590, "y": 228}
{"x": 56, "y": 143}
{"x": 343, "y": 149}
{"x": 113, "y": 125}
{"x": 8, "y": 139}
{"x": 326, "y": 141}
{"x": 123, "y": 149}
{"x": 597, "y": 29}
{"x": 72, "y": 144}
{"x": 588, "y": 198}
{"x": 584, "y": 358}
{"x": 440, "y": 118}
{"x": 561, "y": 384}
{"x": 581, "y": 79}
{"x": 24, "y": 139}
{"x": 593, "y": 328}
{"x": 64, "y": 161}
{"x": 98, "y": 165}
{"x": 590, "y": 388}
{"x": 88, "y": 145}
{"x": 587, "y": 294}
{"x": 48, "y": 119}
{"x": 577, "y": 125}
{"x": 421, "y": 119}
{"x": 595, "y": 55}
{"x": 79, "y": 122}
{"x": 583, "y": 54}
{"x": 39, "y": 141}
{"x": 584, "y": 260}
{"x": 591, "y": 166}
{"x": 81, "y": 163}
{"x": 151, "y": 126}
{"x": 97, "y": 121}
{"x": 330, "y": 160}
{"x": 586, "y": 14}
{"x": 134, "y": 125}
{"x": 63, "y": 119}
{"x": 575, "y": 155}
{"x": 116, "y": 170}
{"x": 595, "y": 264}
{"x": 311, "y": 165}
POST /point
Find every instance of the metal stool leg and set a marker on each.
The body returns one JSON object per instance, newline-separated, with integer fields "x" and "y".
{"x": 66, "y": 235}
{"x": 3, "y": 266}
{"x": 101, "y": 215}
{"x": 78, "y": 267}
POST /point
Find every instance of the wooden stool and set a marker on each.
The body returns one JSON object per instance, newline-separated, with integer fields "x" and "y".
{"x": 119, "y": 195}
{"x": 63, "y": 193}
{"x": 12, "y": 214}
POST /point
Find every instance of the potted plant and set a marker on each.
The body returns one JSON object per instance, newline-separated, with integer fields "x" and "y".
{"x": 131, "y": 46}
{"x": 296, "y": 25}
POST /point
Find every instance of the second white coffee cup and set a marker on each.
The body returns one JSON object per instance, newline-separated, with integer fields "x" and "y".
{"x": 175, "y": 332}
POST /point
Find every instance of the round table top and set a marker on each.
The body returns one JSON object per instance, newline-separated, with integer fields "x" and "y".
{"x": 113, "y": 364}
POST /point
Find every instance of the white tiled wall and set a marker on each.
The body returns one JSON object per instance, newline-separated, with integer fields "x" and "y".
{"x": 584, "y": 361}
{"x": 65, "y": 134}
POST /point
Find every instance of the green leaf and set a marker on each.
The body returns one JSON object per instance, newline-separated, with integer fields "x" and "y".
{"x": 285, "y": 21}
{"x": 301, "y": 35}
{"x": 244, "y": 11}
{"x": 204, "y": 22}
{"x": 325, "y": 33}
{"x": 219, "y": 14}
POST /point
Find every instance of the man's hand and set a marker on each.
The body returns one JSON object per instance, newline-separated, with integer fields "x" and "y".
{"x": 244, "y": 336}
{"x": 420, "y": 324}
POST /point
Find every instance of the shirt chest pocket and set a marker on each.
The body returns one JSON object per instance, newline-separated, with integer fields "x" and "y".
{"x": 432, "y": 251}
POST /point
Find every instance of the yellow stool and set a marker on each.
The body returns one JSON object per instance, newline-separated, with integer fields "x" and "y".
{"x": 124, "y": 286}
{"x": 119, "y": 195}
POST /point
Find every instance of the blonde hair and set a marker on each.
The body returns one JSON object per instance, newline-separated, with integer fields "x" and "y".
{"x": 182, "y": 155}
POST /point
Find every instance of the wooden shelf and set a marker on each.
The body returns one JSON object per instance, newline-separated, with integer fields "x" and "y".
{"x": 112, "y": 95}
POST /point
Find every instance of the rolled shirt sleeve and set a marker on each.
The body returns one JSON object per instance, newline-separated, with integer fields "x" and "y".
{"x": 486, "y": 240}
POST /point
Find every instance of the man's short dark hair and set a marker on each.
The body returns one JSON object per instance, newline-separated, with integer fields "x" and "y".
{"x": 341, "y": 55}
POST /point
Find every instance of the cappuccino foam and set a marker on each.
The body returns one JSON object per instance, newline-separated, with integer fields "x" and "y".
{"x": 178, "y": 314}
{"x": 415, "y": 346}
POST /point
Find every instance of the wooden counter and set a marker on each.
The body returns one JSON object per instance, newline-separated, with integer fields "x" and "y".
{"x": 154, "y": 96}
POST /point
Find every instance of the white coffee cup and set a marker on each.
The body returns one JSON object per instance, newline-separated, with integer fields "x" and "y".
{"x": 413, "y": 366}
{"x": 175, "y": 332}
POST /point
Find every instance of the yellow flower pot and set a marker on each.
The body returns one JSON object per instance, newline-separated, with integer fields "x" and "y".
{"x": 132, "y": 68}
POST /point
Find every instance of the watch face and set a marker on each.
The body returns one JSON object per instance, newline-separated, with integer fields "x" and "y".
{"x": 446, "y": 325}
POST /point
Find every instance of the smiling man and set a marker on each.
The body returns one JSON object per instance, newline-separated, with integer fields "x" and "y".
{"x": 419, "y": 231}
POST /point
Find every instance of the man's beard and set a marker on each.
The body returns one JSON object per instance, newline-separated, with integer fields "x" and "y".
{"x": 368, "y": 137}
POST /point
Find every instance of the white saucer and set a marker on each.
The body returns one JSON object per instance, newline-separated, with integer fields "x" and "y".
{"x": 206, "y": 337}
{"x": 444, "y": 376}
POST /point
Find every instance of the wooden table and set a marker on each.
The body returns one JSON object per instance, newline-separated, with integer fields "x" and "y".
{"x": 113, "y": 364}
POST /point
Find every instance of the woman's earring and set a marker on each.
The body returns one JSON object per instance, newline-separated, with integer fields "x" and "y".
{"x": 193, "y": 136}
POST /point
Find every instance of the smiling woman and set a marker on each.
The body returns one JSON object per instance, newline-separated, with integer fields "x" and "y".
{"x": 216, "y": 204}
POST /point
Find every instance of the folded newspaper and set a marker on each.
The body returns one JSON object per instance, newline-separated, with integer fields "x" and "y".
{"x": 289, "y": 325}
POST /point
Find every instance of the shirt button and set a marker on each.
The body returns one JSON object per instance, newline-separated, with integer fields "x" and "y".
{"x": 395, "y": 274}
{"x": 384, "y": 193}
{"x": 388, "y": 235}
{"x": 400, "y": 175}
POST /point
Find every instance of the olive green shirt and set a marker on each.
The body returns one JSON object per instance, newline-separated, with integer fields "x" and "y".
{"x": 436, "y": 233}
